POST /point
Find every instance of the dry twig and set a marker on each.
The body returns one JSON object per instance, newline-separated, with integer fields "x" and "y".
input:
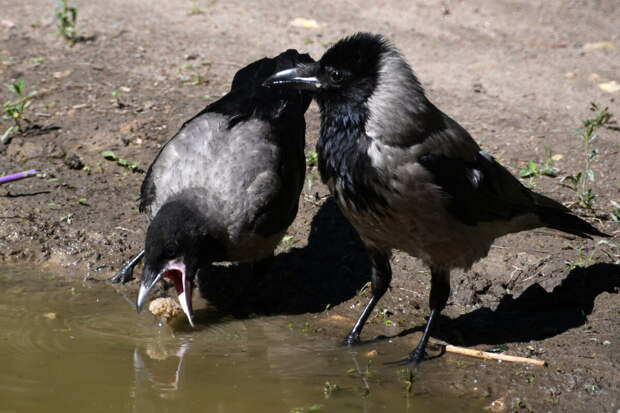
{"x": 448, "y": 348}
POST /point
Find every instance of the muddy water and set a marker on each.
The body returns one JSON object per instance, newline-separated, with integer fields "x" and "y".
{"x": 81, "y": 347}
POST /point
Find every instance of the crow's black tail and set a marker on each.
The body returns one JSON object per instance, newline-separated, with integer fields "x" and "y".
{"x": 557, "y": 216}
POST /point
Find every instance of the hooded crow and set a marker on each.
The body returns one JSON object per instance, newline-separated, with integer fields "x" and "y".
{"x": 227, "y": 185}
{"x": 406, "y": 175}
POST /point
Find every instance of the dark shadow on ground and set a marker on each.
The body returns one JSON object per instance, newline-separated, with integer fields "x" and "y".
{"x": 534, "y": 315}
{"x": 329, "y": 270}
{"x": 10, "y": 195}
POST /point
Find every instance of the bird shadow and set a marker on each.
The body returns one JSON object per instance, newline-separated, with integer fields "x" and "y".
{"x": 330, "y": 269}
{"x": 334, "y": 265}
{"x": 536, "y": 314}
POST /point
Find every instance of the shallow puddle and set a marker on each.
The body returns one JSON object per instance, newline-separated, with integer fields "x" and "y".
{"x": 81, "y": 347}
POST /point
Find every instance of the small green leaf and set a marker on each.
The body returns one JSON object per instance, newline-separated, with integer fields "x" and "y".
{"x": 109, "y": 155}
{"x": 580, "y": 132}
{"x": 18, "y": 87}
{"x": 311, "y": 159}
{"x": 530, "y": 170}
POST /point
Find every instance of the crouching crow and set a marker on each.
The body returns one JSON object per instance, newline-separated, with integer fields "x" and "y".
{"x": 227, "y": 185}
{"x": 406, "y": 175}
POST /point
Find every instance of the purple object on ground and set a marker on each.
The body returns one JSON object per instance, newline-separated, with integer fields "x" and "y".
{"x": 19, "y": 175}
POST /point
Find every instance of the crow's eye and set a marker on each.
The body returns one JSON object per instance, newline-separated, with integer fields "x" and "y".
{"x": 336, "y": 76}
{"x": 171, "y": 249}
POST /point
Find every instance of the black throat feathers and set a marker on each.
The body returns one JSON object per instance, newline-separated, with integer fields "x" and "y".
{"x": 343, "y": 158}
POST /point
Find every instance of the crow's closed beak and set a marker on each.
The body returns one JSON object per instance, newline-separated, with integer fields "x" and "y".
{"x": 293, "y": 78}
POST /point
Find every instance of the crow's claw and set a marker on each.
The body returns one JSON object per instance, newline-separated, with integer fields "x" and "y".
{"x": 126, "y": 272}
{"x": 123, "y": 275}
{"x": 412, "y": 359}
{"x": 351, "y": 340}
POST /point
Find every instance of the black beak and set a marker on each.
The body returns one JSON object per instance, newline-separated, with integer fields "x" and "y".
{"x": 293, "y": 78}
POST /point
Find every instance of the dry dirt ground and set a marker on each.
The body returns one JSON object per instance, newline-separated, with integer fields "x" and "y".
{"x": 519, "y": 75}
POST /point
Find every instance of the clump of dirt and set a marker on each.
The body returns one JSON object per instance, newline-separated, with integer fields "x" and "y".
{"x": 518, "y": 76}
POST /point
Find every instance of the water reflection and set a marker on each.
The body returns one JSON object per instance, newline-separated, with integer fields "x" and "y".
{"x": 96, "y": 354}
{"x": 253, "y": 369}
{"x": 159, "y": 367}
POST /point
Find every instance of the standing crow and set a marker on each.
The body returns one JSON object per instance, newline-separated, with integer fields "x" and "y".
{"x": 227, "y": 185}
{"x": 406, "y": 175}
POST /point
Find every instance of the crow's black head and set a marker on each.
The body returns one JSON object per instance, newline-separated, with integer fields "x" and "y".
{"x": 254, "y": 74}
{"x": 347, "y": 72}
{"x": 175, "y": 243}
{"x": 298, "y": 102}
{"x": 248, "y": 97}
{"x": 364, "y": 81}
{"x": 353, "y": 62}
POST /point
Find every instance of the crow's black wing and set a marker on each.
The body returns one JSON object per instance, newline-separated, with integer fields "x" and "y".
{"x": 478, "y": 190}
{"x": 483, "y": 190}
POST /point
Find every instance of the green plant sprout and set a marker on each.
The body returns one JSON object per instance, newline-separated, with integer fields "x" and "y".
{"x": 580, "y": 183}
{"x": 287, "y": 241}
{"x": 15, "y": 110}
{"x": 66, "y": 17}
{"x": 532, "y": 169}
{"x": 312, "y": 159}
{"x": 312, "y": 162}
{"x": 133, "y": 166}
{"x": 582, "y": 259}
{"x": 384, "y": 316}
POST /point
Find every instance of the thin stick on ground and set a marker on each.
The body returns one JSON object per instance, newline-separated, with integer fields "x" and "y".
{"x": 486, "y": 355}
{"x": 18, "y": 175}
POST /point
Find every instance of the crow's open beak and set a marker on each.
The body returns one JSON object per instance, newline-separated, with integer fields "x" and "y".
{"x": 293, "y": 78}
{"x": 176, "y": 272}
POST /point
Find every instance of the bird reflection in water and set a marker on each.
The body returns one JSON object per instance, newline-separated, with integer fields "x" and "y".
{"x": 159, "y": 366}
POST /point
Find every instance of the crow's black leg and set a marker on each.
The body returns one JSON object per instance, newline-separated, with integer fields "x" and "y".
{"x": 380, "y": 281}
{"x": 126, "y": 272}
{"x": 440, "y": 291}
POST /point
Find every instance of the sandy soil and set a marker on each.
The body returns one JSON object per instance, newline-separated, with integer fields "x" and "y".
{"x": 519, "y": 75}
